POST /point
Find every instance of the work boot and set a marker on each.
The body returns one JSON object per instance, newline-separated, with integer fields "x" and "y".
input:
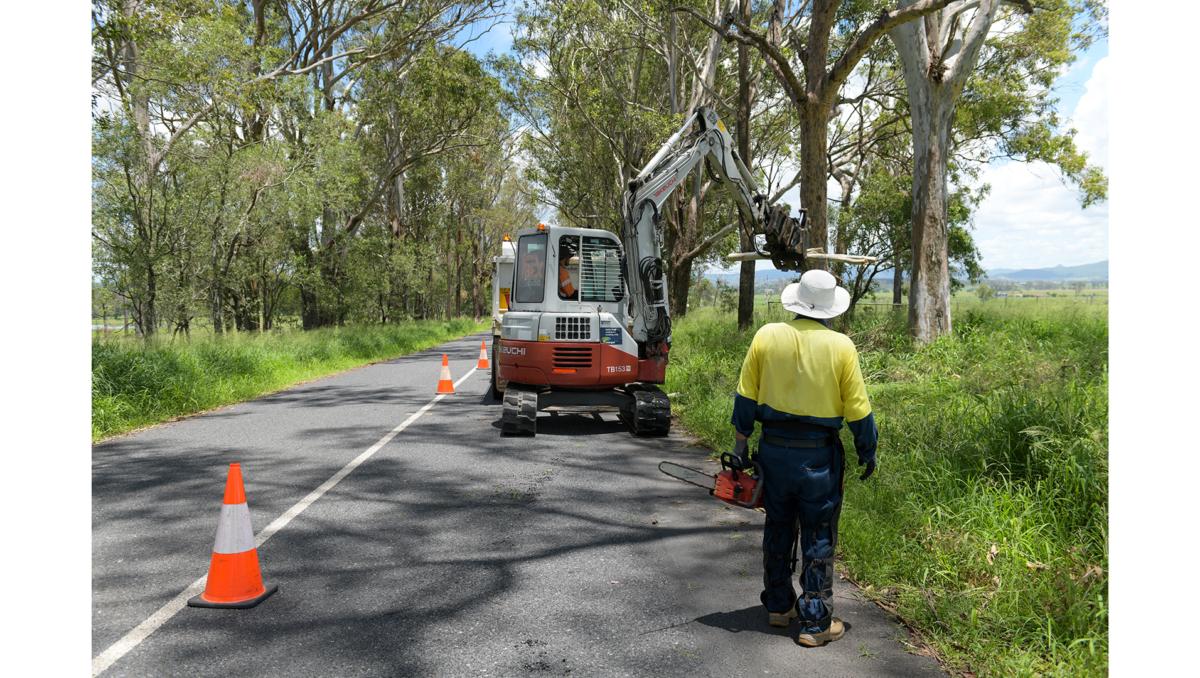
{"x": 781, "y": 618}
{"x": 835, "y": 631}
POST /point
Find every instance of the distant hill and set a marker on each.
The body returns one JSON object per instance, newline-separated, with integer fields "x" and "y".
{"x": 759, "y": 276}
{"x": 1060, "y": 273}
{"x": 1084, "y": 272}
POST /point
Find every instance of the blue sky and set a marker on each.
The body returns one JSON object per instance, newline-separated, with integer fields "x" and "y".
{"x": 498, "y": 38}
{"x": 1030, "y": 219}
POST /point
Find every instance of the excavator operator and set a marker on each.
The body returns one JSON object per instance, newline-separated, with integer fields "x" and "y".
{"x": 566, "y": 250}
{"x": 801, "y": 379}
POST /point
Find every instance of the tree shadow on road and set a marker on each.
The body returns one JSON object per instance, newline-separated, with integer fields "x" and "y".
{"x": 399, "y": 556}
{"x": 572, "y": 423}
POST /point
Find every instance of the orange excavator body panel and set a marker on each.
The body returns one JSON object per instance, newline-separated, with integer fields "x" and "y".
{"x": 566, "y": 363}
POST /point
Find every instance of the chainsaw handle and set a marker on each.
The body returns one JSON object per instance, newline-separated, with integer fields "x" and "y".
{"x": 730, "y": 463}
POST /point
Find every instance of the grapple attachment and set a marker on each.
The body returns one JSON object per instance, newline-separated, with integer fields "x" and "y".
{"x": 787, "y": 240}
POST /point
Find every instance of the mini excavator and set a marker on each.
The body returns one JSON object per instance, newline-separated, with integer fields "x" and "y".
{"x": 580, "y": 316}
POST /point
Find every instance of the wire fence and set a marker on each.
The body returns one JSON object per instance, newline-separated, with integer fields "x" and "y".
{"x": 774, "y": 305}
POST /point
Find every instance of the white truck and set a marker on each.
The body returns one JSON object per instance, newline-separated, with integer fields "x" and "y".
{"x": 502, "y": 276}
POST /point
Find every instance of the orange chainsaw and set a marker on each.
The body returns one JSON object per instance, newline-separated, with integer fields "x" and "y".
{"x": 730, "y": 485}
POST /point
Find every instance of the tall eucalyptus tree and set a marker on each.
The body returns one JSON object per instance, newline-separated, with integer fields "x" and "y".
{"x": 939, "y": 55}
{"x": 828, "y": 40}
{"x": 260, "y": 101}
{"x": 600, "y": 85}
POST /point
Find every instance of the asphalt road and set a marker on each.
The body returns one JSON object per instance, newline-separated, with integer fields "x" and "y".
{"x": 452, "y": 551}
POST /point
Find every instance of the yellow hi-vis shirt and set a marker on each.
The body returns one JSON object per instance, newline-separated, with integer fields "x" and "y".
{"x": 803, "y": 368}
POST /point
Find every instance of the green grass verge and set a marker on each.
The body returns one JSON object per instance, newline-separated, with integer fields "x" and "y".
{"x": 134, "y": 385}
{"x": 986, "y": 525}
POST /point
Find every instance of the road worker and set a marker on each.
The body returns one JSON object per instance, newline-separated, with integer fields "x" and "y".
{"x": 568, "y": 247}
{"x": 565, "y": 289}
{"x": 801, "y": 379}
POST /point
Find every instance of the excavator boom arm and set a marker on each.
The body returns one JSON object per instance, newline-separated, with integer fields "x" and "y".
{"x": 642, "y": 212}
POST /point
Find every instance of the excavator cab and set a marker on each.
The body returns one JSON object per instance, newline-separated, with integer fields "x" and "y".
{"x": 565, "y": 339}
{"x": 568, "y": 268}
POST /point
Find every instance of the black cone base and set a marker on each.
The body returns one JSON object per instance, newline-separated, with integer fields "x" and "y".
{"x": 199, "y": 600}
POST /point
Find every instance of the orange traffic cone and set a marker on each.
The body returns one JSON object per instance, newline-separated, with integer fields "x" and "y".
{"x": 483, "y": 363}
{"x": 445, "y": 384}
{"x": 233, "y": 576}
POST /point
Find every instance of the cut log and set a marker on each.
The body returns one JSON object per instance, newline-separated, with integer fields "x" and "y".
{"x": 855, "y": 259}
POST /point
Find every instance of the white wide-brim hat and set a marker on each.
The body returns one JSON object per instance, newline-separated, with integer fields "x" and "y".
{"x": 817, "y": 295}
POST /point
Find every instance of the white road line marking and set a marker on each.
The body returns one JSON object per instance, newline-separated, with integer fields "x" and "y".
{"x": 131, "y": 640}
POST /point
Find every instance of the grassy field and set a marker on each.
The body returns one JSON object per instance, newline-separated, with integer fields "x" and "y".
{"x": 135, "y": 386}
{"x": 965, "y": 299}
{"x": 200, "y": 327}
{"x": 986, "y": 525}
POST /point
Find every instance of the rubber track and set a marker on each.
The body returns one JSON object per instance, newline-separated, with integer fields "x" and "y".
{"x": 520, "y": 411}
{"x": 653, "y": 412}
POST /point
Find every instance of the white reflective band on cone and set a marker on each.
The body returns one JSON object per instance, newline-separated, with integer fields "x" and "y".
{"x": 234, "y": 533}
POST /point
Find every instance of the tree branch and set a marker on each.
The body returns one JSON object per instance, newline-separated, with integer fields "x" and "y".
{"x": 886, "y": 21}
{"x": 958, "y": 69}
{"x": 748, "y": 36}
{"x": 784, "y": 189}
{"x": 710, "y": 241}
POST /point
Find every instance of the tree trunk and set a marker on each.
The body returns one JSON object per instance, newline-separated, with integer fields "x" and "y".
{"x": 476, "y": 307}
{"x": 746, "y": 274}
{"x": 934, "y": 76}
{"x": 745, "y": 287}
{"x": 929, "y": 280}
{"x": 140, "y": 100}
{"x": 309, "y": 316}
{"x": 268, "y": 305}
{"x": 216, "y": 297}
{"x": 814, "y": 141}
{"x": 149, "y": 324}
{"x": 681, "y": 249}
{"x": 673, "y": 68}
{"x": 449, "y": 286}
{"x": 842, "y": 242}
{"x": 678, "y": 277}
{"x": 458, "y": 271}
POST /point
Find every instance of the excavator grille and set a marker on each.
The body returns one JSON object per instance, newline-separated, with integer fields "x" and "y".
{"x": 573, "y": 357}
{"x": 573, "y": 328}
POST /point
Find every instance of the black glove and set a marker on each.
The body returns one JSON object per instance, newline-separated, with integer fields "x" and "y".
{"x": 870, "y": 463}
{"x": 741, "y": 453}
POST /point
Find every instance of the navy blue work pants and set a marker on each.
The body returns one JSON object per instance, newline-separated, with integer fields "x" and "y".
{"x": 802, "y": 488}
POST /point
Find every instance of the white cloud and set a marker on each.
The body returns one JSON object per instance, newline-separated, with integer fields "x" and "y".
{"x": 1031, "y": 220}
{"x": 540, "y": 68}
{"x": 1091, "y": 116}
